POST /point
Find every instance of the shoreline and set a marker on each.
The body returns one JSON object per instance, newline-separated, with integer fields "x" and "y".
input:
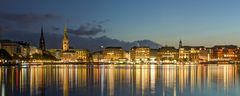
{"x": 100, "y": 63}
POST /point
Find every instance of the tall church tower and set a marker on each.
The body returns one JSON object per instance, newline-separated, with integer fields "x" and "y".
{"x": 180, "y": 44}
{"x": 42, "y": 41}
{"x": 65, "y": 39}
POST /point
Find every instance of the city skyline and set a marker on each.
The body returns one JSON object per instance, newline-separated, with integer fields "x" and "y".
{"x": 119, "y": 48}
{"x": 203, "y": 23}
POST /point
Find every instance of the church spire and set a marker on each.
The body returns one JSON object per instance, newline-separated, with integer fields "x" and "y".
{"x": 180, "y": 44}
{"x": 42, "y": 41}
{"x": 65, "y": 32}
{"x": 65, "y": 39}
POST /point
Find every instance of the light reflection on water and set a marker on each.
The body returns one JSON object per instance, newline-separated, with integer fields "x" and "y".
{"x": 121, "y": 80}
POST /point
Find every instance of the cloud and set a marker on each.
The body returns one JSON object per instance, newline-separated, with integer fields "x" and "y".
{"x": 10, "y": 22}
{"x": 88, "y": 29}
{"x": 26, "y": 19}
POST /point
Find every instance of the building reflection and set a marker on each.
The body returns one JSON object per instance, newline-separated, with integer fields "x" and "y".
{"x": 110, "y": 80}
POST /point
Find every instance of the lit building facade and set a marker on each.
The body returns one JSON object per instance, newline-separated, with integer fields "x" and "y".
{"x": 191, "y": 53}
{"x": 225, "y": 52}
{"x": 97, "y": 56}
{"x": 69, "y": 56}
{"x": 82, "y": 55}
{"x": 168, "y": 54}
{"x": 140, "y": 54}
{"x": 56, "y": 53}
{"x": 153, "y": 56}
{"x": 113, "y": 54}
{"x": 78, "y": 55}
{"x": 34, "y": 50}
{"x": 204, "y": 54}
{"x": 127, "y": 55}
{"x": 19, "y": 48}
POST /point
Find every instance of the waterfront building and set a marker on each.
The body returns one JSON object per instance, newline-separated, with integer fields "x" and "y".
{"x": 153, "y": 56}
{"x": 204, "y": 55}
{"x": 82, "y": 55}
{"x": 24, "y": 49}
{"x": 69, "y": 56}
{"x": 127, "y": 55}
{"x": 42, "y": 41}
{"x": 191, "y": 53}
{"x": 10, "y": 46}
{"x": 16, "y": 48}
{"x": 140, "y": 54}
{"x": 34, "y": 50}
{"x": 168, "y": 54}
{"x": 97, "y": 56}
{"x": 225, "y": 52}
{"x": 57, "y": 53}
{"x": 113, "y": 54}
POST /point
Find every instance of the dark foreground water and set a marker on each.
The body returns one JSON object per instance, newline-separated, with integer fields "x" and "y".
{"x": 121, "y": 80}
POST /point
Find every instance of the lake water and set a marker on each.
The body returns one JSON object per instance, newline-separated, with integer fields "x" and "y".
{"x": 121, "y": 80}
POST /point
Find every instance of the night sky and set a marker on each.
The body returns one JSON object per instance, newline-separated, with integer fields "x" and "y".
{"x": 196, "y": 22}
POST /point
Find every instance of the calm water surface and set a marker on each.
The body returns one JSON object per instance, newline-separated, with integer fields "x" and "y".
{"x": 121, "y": 80}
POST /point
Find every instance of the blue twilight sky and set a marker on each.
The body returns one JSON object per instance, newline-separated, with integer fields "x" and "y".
{"x": 196, "y": 22}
